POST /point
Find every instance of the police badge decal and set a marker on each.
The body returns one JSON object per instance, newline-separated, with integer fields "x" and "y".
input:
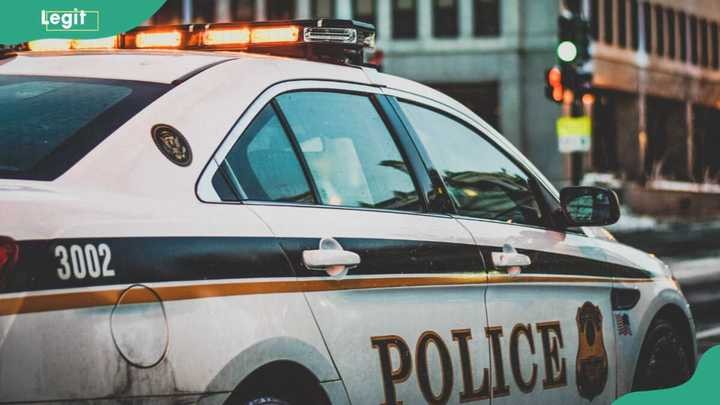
{"x": 591, "y": 367}
{"x": 172, "y": 144}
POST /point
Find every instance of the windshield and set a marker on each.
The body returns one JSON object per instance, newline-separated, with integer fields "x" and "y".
{"x": 47, "y": 124}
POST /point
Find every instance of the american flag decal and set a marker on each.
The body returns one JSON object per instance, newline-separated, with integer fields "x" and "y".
{"x": 623, "y": 324}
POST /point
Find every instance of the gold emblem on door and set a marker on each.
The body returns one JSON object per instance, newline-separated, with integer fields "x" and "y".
{"x": 591, "y": 367}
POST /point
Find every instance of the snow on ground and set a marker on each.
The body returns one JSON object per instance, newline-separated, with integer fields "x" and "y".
{"x": 630, "y": 222}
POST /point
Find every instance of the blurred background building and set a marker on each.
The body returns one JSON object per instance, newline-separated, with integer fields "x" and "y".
{"x": 657, "y": 114}
{"x": 656, "y": 82}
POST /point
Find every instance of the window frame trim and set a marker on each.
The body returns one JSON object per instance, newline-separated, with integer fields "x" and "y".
{"x": 204, "y": 187}
{"x": 297, "y": 150}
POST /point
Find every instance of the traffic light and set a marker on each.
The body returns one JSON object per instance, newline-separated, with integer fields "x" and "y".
{"x": 574, "y": 39}
{"x": 572, "y": 52}
{"x": 554, "y": 89}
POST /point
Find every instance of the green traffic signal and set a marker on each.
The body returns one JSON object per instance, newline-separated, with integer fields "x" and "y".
{"x": 567, "y": 51}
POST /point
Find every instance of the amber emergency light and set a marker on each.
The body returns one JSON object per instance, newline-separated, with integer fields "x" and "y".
{"x": 324, "y": 39}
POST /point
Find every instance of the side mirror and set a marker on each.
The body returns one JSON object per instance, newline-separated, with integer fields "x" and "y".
{"x": 589, "y": 206}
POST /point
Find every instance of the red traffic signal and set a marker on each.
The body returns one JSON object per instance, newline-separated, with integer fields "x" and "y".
{"x": 554, "y": 89}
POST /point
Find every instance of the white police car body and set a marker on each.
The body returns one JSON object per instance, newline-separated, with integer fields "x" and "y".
{"x": 181, "y": 225}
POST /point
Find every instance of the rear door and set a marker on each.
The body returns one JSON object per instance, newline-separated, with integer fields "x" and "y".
{"x": 549, "y": 319}
{"x": 408, "y": 323}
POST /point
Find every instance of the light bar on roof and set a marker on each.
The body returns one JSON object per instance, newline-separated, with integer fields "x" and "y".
{"x": 336, "y": 41}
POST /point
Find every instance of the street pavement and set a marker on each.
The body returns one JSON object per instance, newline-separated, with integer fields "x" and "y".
{"x": 699, "y": 278}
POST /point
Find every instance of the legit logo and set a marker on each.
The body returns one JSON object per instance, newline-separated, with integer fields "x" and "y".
{"x": 70, "y": 20}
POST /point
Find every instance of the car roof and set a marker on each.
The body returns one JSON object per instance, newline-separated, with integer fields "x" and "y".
{"x": 148, "y": 66}
{"x": 222, "y": 104}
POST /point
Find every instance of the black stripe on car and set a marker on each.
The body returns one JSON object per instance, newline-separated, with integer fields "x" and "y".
{"x": 169, "y": 259}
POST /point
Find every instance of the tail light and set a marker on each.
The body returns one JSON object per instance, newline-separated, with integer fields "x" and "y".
{"x": 9, "y": 255}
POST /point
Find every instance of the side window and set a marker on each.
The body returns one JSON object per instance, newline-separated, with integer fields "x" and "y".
{"x": 264, "y": 164}
{"x": 349, "y": 151}
{"x": 482, "y": 181}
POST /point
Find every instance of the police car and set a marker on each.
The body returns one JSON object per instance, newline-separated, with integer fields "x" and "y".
{"x": 250, "y": 214}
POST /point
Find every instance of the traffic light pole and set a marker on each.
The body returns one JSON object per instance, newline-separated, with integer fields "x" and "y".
{"x": 576, "y": 158}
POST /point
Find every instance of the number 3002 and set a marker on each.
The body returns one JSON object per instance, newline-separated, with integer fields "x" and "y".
{"x": 82, "y": 261}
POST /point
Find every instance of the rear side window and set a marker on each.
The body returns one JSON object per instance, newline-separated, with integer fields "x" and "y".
{"x": 47, "y": 124}
{"x": 264, "y": 164}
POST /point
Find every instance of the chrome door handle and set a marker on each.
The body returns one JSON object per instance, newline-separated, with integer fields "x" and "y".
{"x": 509, "y": 258}
{"x": 331, "y": 258}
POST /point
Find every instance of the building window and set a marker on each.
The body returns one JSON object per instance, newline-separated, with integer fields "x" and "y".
{"x": 714, "y": 38}
{"x": 707, "y": 119}
{"x": 682, "y": 25}
{"x": 280, "y": 9}
{"x": 169, "y": 13}
{"x": 647, "y": 19}
{"x": 634, "y": 25}
{"x": 595, "y": 19}
{"x": 694, "y": 40}
{"x": 704, "y": 55}
{"x": 242, "y": 10}
{"x": 622, "y": 23}
{"x": 365, "y": 11}
{"x": 487, "y": 18}
{"x": 203, "y": 11}
{"x": 608, "y": 26}
{"x": 482, "y": 98}
{"x": 659, "y": 31}
{"x": 672, "y": 38}
{"x": 445, "y": 18}
{"x": 323, "y": 8}
{"x": 404, "y": 14}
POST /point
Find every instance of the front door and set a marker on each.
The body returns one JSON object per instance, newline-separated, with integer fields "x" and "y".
{"x": 408, "y": 323}
{"x": 549, "y": 318}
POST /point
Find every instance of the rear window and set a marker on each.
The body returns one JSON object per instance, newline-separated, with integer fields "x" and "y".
{"x": 47, "y": 124}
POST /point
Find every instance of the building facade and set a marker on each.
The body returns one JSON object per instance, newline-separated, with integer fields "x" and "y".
{"x": 657, "y": 78}
{"x": 488, "y": 54}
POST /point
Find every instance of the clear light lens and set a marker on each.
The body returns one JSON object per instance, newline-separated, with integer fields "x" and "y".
{"x": 50, "y": 45}
{"x": 171, "y": 39}
{"x": 370, "y": 41}
{"x": 97, "y": 43}
{"x": 263, "y": 35}
{"x": 567, "y": 51}
{"x": 226, "y": 36}
{"x": 333, "y": 35}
